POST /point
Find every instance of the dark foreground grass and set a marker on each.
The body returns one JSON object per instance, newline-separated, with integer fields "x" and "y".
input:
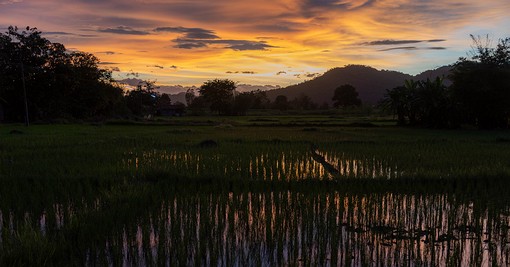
{"x": 94, "y": 184}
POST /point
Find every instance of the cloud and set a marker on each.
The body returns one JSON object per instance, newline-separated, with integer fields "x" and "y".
{"x": 392, "y": 42}
{"x": 108, "y": 63}
{"x": 173, "y": 67}
{"x": 57, "y": 33}
{"x": 189, "y": 44}
{"x": 307, "y": 75}
{"x": 312, "y": 75}
{"x": 281, "y": 72}
{"x": 413, "y": 48}
{"x": 156, "y": 66}
{"x": 190, "y": 33}
{"x": 279, "y": 28}
{"x": 67, "y": 34}
{"x": 314, "y": 8}
{"x": 241, "y": 72}
{"x": 192, "y": 38}
{"x": 237, "y": 45}
{"x": 399, "y": 48}
{"x": 107, "y": 53}
{"x": 436, "y": 40}
{"x": 400, "y": 42}
{"x": 9, "y": 2}
{"x": 115, "y": 69}
{"x": 123, "y": 30}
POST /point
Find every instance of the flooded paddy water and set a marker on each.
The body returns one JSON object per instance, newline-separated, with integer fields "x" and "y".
{"x": 259, "y": 203}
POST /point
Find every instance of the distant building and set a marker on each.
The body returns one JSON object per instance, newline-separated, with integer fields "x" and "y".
{"x": 177, "y": 109}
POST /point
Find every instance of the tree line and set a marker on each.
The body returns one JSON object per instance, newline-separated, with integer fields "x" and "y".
{"x": 44, "y": 81}
{"x": 479, "y": 94}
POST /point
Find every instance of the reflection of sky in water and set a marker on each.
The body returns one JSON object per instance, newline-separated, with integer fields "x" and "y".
{"x": 273, "y": 165}
{"x": 282, "y": 228}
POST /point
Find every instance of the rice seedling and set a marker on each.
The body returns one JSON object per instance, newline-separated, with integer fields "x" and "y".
{"x": 206, "y": 195}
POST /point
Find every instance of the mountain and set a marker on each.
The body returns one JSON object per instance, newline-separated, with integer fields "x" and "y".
{"x": 178, "y": 89}
{"x": 432, "y": 74}
{"x": 370, "y": 83}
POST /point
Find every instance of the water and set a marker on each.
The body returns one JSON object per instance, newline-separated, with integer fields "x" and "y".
{"x": 264, "y": 164}
{"x": 143, "y": 221}
{"x": 295, "y": 228}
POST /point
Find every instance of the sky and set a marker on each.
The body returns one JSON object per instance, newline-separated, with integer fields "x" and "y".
{"x": 260, "y": 42}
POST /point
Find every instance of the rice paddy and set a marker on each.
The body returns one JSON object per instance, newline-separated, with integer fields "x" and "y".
{"x": 241, "y": 194}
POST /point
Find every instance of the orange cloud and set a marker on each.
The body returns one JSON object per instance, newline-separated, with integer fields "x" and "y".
{"x": 207, "y": 39}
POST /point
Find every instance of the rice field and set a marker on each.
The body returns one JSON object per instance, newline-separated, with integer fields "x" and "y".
{"x": 242, "y": 194}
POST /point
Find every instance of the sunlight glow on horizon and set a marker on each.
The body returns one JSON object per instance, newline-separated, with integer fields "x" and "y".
{"x": 260, "y": 42}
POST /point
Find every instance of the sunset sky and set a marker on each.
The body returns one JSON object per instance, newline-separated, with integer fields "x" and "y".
{"x": 275, "y": 42}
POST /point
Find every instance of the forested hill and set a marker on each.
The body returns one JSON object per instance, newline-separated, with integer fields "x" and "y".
{"x": 370, "y": 83}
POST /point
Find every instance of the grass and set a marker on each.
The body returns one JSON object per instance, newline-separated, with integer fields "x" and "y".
{"x": 157, "y": 188}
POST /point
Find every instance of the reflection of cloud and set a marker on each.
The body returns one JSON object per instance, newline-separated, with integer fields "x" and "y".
{"x": 123, "y": 30}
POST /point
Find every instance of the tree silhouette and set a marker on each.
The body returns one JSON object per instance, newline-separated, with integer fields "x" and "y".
{"x": 346, "y": 96}
{"x": 142, "y": 101}
{"x": 219, "y": 94}
{"x": 481, "y": 85}
{"x": 59, "y": 83}
{"x": 281, "y": 103}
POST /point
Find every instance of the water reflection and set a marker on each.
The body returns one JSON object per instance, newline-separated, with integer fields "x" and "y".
{"x": 264, "y": 164}
{"x": 293, "y": 228}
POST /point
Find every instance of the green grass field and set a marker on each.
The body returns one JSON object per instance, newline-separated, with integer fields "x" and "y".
{"x": 65, "y": 190}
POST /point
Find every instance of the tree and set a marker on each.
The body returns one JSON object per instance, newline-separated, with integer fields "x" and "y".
{"x": 163, "y": 101}
{"x": 396, "y": 101}
{"x": 142, "y": 101}
{"x": 243, "y": 102}
{"x": 281, "y": 103}
{"x": 303, "y": 102}
{"x": 219, "y": 94}
{"x": 481, "y": 85}
{"x": 346, "y": 96}
{"x": 59, "y": 83}
{"x": 189, "y": 96}
{"x": 425, "y": 103}
{"x": 260, "y": 100}
{"x": 431, "y": 104}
